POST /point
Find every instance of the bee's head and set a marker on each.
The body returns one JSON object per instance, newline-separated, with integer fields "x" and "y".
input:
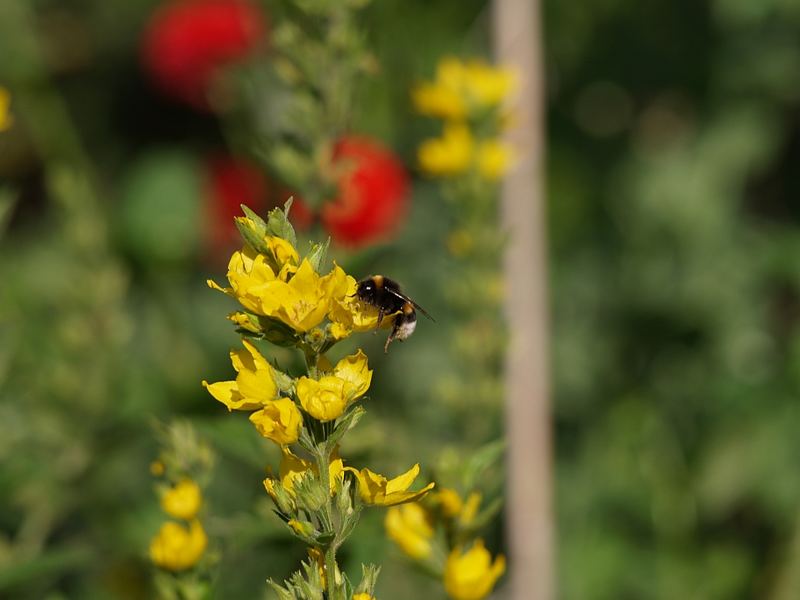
{"x": 366, "y": 289}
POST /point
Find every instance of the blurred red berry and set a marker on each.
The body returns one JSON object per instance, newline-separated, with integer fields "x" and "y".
{"x": 186, "y": 42}
{"x": 373, "y": 194}
{"x": 231, "y": 182}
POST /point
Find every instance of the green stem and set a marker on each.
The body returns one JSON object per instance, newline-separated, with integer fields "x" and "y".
{"x": 323, "y": 461}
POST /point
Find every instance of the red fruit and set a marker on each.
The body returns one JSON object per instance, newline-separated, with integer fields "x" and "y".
{"x": 373, "y": 194}
{"x": 231, "y": 182}
{"x": 187, "y": 42}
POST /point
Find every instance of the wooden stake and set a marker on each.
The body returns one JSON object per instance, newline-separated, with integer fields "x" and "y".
{"x": 529, "y": 509}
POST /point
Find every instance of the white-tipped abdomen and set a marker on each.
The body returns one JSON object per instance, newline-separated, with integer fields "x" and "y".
{"x": 406, "y": 329}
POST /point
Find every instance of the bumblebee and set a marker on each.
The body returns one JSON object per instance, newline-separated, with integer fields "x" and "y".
{"x": 385, "y": 294}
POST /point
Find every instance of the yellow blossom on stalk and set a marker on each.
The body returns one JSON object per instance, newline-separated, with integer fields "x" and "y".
{"x": 438, "y": 101}
{"x": 349, "y": 314}
{"x": 450, "y": 502}
{"x": 282, "y": 251}
{"x": 176, "y": 547}
{"x": 448, "y": 155}
{"x": 316, "y": 555}
{"x": 471, "y": 575}
{"x": 363, "y": 596}
{"x": 293, "y": 467}
{"x": 376, "y": 490}
{"x": 254, "y": 385}
{"x": 470, "y": 510}
{"x": 248, "y": 273}
{"x": 5, "y": 114}
{"x": 244, "y": 321}
{"x": 328, "y": 397}
{"x": 494, "y": 159}
{"x": 487, "y": 85}
{"x": 279, "y": 420}
{"x": 410, "y": 527}
{"x": 183, "y": 500}
{"x": 297, "y": 296}
{"x": 301, "y": 527}
{"x": 461, "y": 88}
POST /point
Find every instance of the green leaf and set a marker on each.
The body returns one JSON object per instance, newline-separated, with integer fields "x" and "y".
{"x": 278, "y": 223}
{"x": 282, "y": 593}
{"x": 317, "y": 254}
{"x": 481, "y": 460}
{"x": 369, "y": 577}
{"x": 344, "y": 424}
{"x": 258, "y": 222}
{"x": 251, "y": 236}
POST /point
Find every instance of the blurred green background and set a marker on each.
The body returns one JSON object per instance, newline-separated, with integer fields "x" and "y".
{"x": 674, "y": 236}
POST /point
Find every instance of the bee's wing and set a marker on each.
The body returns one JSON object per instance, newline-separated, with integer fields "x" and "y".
{"x": 402, "y": 296}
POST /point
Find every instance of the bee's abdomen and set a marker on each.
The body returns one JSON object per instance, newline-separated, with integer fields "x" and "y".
{"x": 405, "y": 322}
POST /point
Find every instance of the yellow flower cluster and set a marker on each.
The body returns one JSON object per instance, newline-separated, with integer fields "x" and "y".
{"x": 255, "y": 389}
{"x": 464, "y": 94}
{"x": 294, "y": 468}
{"x": 179, "y": 546}
{"x": 329, "y": 396}
{"x": 277, "y": 285}
{"x": 285, "y": 300}
{"x": 5, "y": 113}
{"x": 290, "y": 291}
{"x": 467, "y": 574}
{"x": 461, "y": 89}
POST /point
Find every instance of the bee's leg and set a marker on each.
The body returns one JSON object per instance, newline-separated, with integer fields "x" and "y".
{"x": 389, "y": 340}
{"x": 381, "y": 314}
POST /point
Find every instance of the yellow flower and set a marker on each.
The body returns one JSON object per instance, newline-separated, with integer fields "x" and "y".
{"x": 254, "y": 385}
{"x": 269, "y": 485}
{"x": 282, "y": 251}
{"x": 438, "y": 101}
{"x": 363, "y": 596}
{"x": 303, "y": 302}
{"x": 471, "y": 575}
{"x": 244, "y": 321}
{"x": 176, "y": 547}
{"x": 279, "y": 420}
{"x": 301, "y": 527}
{"x": 328, "y": 397}
{"x": 248, "y": 274}
{"x": 183, "y": 500}
{"x": 376, "y": 490}
{"x": 470, "y": 509}
{"x": 297, "y": 296}
{"x": 450, "y": 154}
{"x": 486, "y": 85}
{"x": 462, "y": 88}
{"x": 450, "y": 502}
{"x": 494, "y": 159}
{"x": 410, "y": 527}
{"x": 5, "y": 114}
{"x": 348, "y": 314}
{"x": 293, "y": 467}
{"x": 316, "y": 555}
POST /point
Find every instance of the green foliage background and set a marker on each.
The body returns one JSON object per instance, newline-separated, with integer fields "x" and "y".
{"x": 672, "y": 195}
